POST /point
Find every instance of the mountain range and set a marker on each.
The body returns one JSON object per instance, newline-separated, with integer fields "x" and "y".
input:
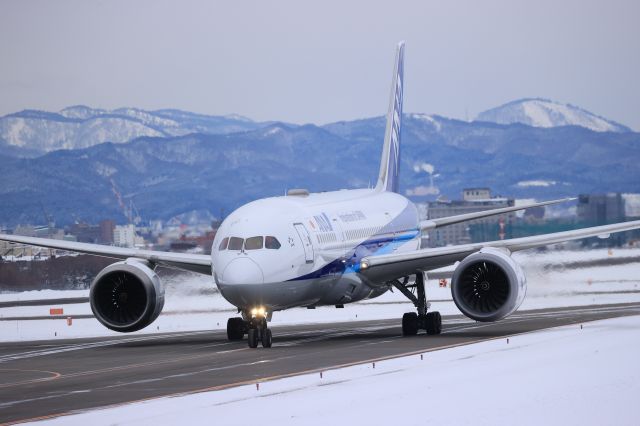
{"x": 178, "y": 161}
{"x": 30, "y": 133}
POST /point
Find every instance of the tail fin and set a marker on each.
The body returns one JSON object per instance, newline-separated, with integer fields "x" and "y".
{"x": 388, "y": 179}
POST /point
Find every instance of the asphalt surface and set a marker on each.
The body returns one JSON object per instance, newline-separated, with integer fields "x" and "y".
{"x": 48, "y": 378}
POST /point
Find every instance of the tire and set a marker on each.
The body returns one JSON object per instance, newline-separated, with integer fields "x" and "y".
{"x": 253, "y": 337}
{"x": 410, "y": 324}
{"x": 235, "y": 328}
{"x": 434, "y": 323}
{"x": 266, "y": 338}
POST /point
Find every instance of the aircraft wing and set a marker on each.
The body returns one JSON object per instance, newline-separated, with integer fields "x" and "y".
{"x": 388, "y": 267}
{"x": 427, "y": 225}
{"x": 190, "y": 262}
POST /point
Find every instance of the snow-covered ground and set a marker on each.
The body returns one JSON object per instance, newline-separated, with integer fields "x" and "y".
{"x": 555, "y": 278}
{"x": 567, "y": 375}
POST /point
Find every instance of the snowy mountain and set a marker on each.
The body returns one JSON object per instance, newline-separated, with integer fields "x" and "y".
{"x": 30, "y": 133}
{"x": 547, "y": 113}
{"x": 171, "y": 161}
{"x": 168, "y": 176}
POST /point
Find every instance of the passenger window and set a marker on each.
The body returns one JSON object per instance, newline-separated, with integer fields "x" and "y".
{"x": 253, "y": 243}
{"x": 235, "y": 243}
{"x": 223, "y": 244}
{"x": 271, "y": 243}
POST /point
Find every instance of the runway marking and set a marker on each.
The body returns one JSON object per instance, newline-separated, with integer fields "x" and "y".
{"x": 331, "y": 332}
{"x": 328, "y": 368}
{"x": 174, "y": 360}
{"x": 91, "y": 345}
{"x": 54, "y": 375}
{"x": 149, "y": 380}
{"x": 129, "y": 366}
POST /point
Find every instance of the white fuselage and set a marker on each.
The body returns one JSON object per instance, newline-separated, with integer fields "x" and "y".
{"x": 310, "y": 247}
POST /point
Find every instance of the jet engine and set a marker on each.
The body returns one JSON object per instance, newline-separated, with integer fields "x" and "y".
{"x": 127, "y": 296}
{"x": 488, "y": 285}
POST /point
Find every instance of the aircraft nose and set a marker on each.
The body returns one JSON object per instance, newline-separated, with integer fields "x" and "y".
{"x": 242, "y": 271}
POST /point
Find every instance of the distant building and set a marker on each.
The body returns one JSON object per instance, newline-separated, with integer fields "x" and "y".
{"x": 631, "y": 205}
{"x": 124, "y": 235}
{"x": 86, "y": 233}
{"x": 601, "y": 209}
{"x": 474, "y": 200}
{"x": 106, "y": 231}
{"x": 475, "y": 194}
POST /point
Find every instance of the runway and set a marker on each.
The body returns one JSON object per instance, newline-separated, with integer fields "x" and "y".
{"x": 49, "y": 378}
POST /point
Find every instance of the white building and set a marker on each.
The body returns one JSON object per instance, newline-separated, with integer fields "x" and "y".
{"x": 124, "y": 235}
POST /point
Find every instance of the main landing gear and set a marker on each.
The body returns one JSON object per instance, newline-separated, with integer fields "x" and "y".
{"x": 236, "y": 328}
{"x": 412, "y": 321}
{"x": 255, "y": 327}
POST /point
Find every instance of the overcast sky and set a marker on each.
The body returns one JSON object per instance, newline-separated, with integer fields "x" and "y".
{"x": 298, "y": 62}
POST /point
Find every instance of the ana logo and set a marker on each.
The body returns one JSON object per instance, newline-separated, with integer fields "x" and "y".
{"x": 323, "y": 222}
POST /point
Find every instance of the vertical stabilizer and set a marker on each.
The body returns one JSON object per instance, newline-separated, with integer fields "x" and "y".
{"x": 388, "y": 179}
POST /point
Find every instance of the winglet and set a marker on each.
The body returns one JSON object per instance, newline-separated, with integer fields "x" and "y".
{"x": 388, "y": 179}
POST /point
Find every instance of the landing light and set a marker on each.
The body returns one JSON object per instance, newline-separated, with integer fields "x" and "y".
{"x": 364, "y": 265}
{"x": 258, "y": 312}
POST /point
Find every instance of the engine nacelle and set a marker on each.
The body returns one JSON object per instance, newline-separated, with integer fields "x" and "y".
{"x": 488, "y": 285}
{"x": 127, "y": 296}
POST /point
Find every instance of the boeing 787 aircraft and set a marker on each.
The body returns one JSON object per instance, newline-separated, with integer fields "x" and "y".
{"x": 330, "y": 248}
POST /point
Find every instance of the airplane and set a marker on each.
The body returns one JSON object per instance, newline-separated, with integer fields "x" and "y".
{"x": 322, "y": 249}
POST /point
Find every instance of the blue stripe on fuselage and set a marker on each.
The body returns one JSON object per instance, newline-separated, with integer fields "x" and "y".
{"x": 376, "y": 245}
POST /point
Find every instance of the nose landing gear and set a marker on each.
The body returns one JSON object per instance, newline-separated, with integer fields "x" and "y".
{"x": 259, "y": 332}
{"x": 411, "y": 321}
{"x": 254, "y": 324}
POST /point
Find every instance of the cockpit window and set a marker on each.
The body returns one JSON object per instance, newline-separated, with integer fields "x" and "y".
{"x": 235, "y": 243}
{"x": 271, "y": 243}
{"x": 223, "y": 244}
{"x": 253, "y": 243}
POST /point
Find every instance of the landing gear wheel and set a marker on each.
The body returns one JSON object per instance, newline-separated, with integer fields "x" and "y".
{"x": 235, "y": 328}
{"x": 266, "y": 338}
{"x": 253, "y": 337}
{"x": 410, "y": 324}
{"x": 415, "y": 292}
{"x": 434, "y": 323}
